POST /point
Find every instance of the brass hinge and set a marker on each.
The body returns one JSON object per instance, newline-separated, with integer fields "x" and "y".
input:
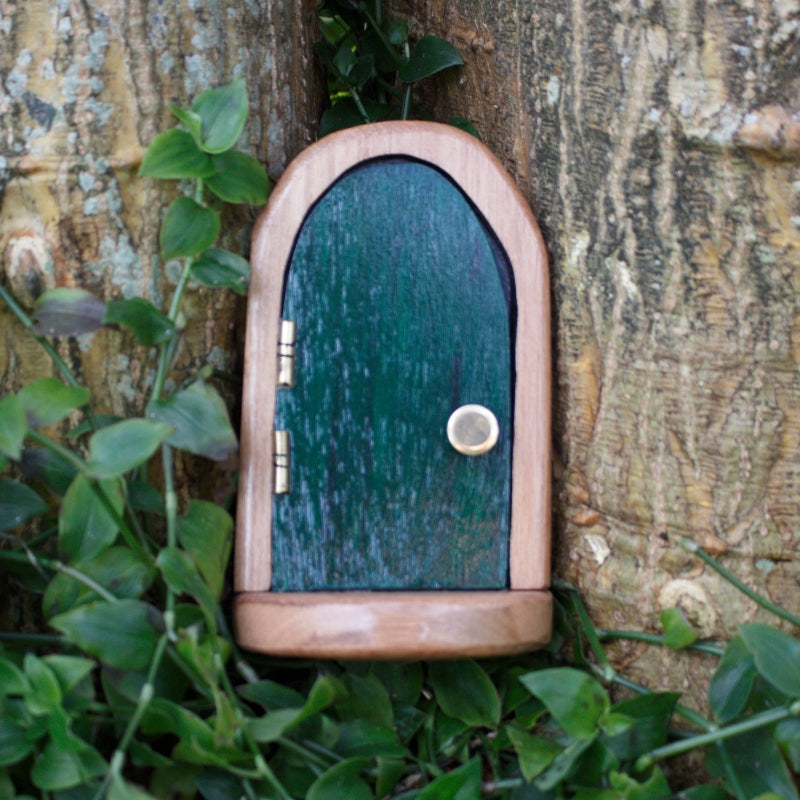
{"x": 287, "y": 338}
{"x": 281, "y": 461}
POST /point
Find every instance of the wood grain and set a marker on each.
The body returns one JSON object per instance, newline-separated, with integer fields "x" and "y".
{"x": 472, "y": 167}
{"x": 393, "y": 625}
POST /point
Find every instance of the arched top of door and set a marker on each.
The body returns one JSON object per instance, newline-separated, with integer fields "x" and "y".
{"x": 481, "y": 177}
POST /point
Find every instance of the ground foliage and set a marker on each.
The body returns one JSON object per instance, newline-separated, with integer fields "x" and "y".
{"x": 140, "y": 692}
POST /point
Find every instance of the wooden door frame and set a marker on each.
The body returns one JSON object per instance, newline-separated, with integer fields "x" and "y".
{"x": 481, "y": 177}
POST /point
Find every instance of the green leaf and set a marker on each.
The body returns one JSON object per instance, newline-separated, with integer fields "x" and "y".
{"x": 271, "y": 695}
{"x": 45, "y": 466}
{"x": 121, "y": 634}
{"x": 199, "y": 419}
{"x": 144, "y": 497}
{"x": 14, "y": 745}
{"x": 462, "y": 783}
{"x": 462, "y": 123}
{"x": 85, "y": 525}
{"x": 120, "y": 789}
{"x": 206, "y": 533}
{"x": 464, "y": 691}
{"x": 47, "y": 400}
{"x": 650, "y": 716}
{"x": 188, "y": 229}
{"x": 396, "y": 31}
{"x": 390, "y": 770}
{"x": 67, "y": 312}
{"x": 12, "y": 427}
{"x": 678, "y": 632}
{"x": 431, "y": 55}
{"x": 57, "y": 769}
{"x": 341, "y": 782}
{"x": 182, "y": 576}
{"x": 121, "y": 447}
{"x": 654, "y": 788}
{"x": 218, "y": 784}
{"x": 367, "y": 700}
{"x": 758, "y": 747}
{"x": 535, "y": 753}
{"x": 148, "y": 324}
{"x": 704, "y": 793}
{"x": 221, "y": 269}
{"x": 776, "y": 656}
{"x": 69, "y": 670}
{"x": 731, "y": 684}
{"x": 191, "y": 120}
{"x": 175, "y": 154}
{"x": 44, "y": 693}
{"x": 222, "y": 113}
{"x": 787, "y": 735}
{"x": 12, "y": 679}
{"x": 564, "y": 763}
{"x": 18, "y": 504}
{"x": 239, "y": 178}
{"x": 121, "y": 570}
{"x": 325, "y": 691}
{"x": 360, "y": 737}
{"x": 574, "y": 698}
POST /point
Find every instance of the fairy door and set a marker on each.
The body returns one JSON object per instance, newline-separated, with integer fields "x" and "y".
{"x": 403, "y": 304}
{"x": 395, "y": 481}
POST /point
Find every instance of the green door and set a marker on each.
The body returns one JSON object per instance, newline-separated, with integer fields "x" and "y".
{"x": 404, "y": 305}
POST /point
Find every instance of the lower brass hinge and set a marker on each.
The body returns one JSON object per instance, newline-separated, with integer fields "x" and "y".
{"x": 281, "y": 462}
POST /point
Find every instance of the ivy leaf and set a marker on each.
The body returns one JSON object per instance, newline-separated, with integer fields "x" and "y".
{"x": 650, "y": 716}
{"x": 188, "y": 229}
{"x": 731, "y": 684}
{"x": 465, "y": 692}
{"x": 678, "y": 632}
{"x": 12, "y": 427}
{"x": 49, "y": 468}
{"x": 342, "y": 781}
{"x": 191, "y": 120}
{"x": 464, "y": 782}
{"x": 221, "y": 269}
{"x": 120, "y": 634}
{"x": 360, "y": 737}
{"x": 148, "y": 324}
{"x": 47, "y": 401}
{"x": 174, "y": 154}
{"x": 222, "y": 114}
{"x": 199, "y": 419}
{"x": 462, "y": 123}
{"x": 776, "y": 655}
{"x": 67, "y": 312}
{"x": 239, "y": 178}
{"x": 85, "y": 526}
{"x": 535, "y": 753}
{"x": 397, "y": 31}
{"x": 121, "y": 570}
{"x": 121, "y": 447}
{"x": 14, "y": 745}
{"x": 182, "y": 576}
{"x": 58, "y": 769}
{"x": 120, "y": 789}
{"x": 206, "y": 533}
{"x": 431, "y": 55}
{"x": 18, "y": 504}
{"x": 574, "y": 698}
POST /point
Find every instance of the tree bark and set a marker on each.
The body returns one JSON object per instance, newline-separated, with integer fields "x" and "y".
{"x": 84, "y": 87}
{"x": 659, "y": 145}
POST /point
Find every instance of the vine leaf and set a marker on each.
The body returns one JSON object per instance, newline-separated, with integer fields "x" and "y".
{"x": 85, "y": 525}
{"x": 188, "y": 229}
{"x": 199, "y": 421}
{"x": 18, "y": 504}
{"x": 47, "y": 401}
{"x": 148, "y": 324}
{"x": 174, "y": 154}
{"x": 221, "y": 269}
{"x": 121, "y": 447}
{"x": 222, "y": 113}
{"x": 12, "y": 427}
{"x": 67, "y": 312}
{"x": 238, "y": 178}
{"x": 432, "y": 54}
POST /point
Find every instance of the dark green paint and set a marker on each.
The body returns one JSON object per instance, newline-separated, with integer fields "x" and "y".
{"x": 401, "y": 299}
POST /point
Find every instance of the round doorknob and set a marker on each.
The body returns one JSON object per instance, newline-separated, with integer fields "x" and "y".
{"x": 472, "y": 430}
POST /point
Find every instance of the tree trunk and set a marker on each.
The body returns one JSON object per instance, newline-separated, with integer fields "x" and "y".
{"x": 85, "y": 87}
{"x": 659, "y": 145}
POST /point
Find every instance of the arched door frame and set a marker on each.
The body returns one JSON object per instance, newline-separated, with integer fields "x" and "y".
{"x": 473, "y": 168}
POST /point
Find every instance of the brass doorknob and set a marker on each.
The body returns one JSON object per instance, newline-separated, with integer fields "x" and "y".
{"x": 472, "y": 430}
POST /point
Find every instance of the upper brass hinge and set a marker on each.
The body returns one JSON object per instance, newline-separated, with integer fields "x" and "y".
{"x": 287, "y": 339}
